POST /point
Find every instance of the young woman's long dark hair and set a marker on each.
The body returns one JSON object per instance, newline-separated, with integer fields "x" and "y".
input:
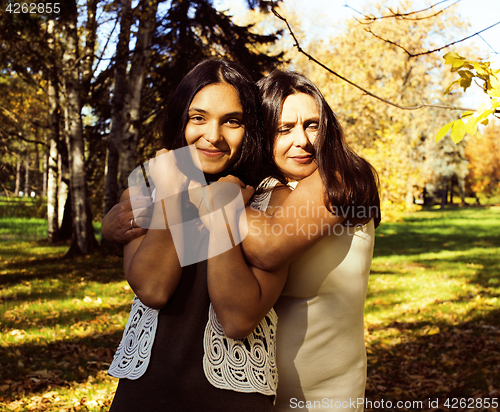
{"x": 351, "y": 183}
{"x": 250, "y": 167}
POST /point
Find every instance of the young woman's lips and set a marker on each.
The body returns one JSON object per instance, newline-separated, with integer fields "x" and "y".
{"x": 211, "y": 153}
{"x": 302, "y": 159}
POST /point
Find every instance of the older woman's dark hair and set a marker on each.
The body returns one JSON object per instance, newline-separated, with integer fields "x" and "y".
{"x": 350, "y": 181}
{"x": 211, "y": 72}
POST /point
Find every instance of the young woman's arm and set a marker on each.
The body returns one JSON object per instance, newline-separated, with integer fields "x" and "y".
{"x": 153, "y": 262}
{"x": 241, "y": 294}
{"x": 150, "y": 261}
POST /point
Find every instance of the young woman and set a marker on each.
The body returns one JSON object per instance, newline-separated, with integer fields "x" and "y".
{"x": 160, "y": 361}
{"x": 325, "y": 230}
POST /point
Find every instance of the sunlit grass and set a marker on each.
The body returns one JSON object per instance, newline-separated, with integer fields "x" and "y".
{"x": 434, "y": 293}
{"x": 60, "y": 322}
{"x": 435, "y": 286}
{"x": 444, "y": 262}
{"x": 16, "y": 228}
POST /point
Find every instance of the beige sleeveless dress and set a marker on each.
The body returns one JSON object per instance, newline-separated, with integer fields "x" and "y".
{"x": 321, "y": 354}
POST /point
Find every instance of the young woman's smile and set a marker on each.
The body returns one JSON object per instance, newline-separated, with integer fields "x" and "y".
{"x": 298, "y": 126}
{"x": 216, "y": 127}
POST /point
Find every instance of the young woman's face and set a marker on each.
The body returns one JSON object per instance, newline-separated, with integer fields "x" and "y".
{"x": 297, "y": 129}
{"x": 215, "y": 126}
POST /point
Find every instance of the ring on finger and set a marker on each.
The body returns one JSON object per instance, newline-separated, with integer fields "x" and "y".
{"x": 131, "y": 223}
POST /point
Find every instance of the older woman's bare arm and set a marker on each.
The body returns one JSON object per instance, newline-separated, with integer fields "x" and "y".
{"x": 298, "y": 224}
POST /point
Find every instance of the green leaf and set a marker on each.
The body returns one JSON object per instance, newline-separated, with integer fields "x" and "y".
{"x": 495, "y": 83}
{"x": 456, "y": 61}
{"x": 465, "y": 82}
{"x": 472, "y": 126}
{"x": 481, "y": 68}
{"x": 458, "y": 131}
{"x": 494, "y": 92}
{"x": 444, "y": 130}
{"x": 448, "y": 89}
{"x": 457, "y": 65}
{"x": 450, "y": 57}
{"x": 484, "y": 115}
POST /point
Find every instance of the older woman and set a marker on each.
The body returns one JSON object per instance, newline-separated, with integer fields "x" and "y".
{"x": 324, "y": 231}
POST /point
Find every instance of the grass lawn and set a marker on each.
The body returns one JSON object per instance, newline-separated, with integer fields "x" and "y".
{"x": 432, "y": 315}
{"x": 61, "y": 320}
{"x": 433, "y": 309}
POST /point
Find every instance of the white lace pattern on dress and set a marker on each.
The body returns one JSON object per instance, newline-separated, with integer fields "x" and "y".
{"x": 242, "y": 365}
{"x": 132, "y": 356}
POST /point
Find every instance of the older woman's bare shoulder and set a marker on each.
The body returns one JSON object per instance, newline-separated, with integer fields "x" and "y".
{"x": 311, "y": 184}
{"x": 280, "y": 193}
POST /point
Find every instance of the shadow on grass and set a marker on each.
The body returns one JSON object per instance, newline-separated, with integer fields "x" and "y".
{"x": 64, "y": 319}
{"x": 378, "y": 301}
{"x": 32, "y": 369}
{"x": 97, "y": 268}
{"x": 424, "y": 234}
{"x": 459, "y": 361}
{"x": 486, "y": 266}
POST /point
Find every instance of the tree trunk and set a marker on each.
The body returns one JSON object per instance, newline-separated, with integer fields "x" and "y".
{"x": 83, "y": 239}
{"x": 117, "y": 108}
{"x": 27, "y": 173}
{"x": 452, "y": 186}
{"x": 89, "y": 49}
{"x": 63, "y": 186}
{"x": 45, "y": 173}
{"x": 53, "y": 164}
{"x": 52, "y": 206}
{"x": 18, "y": 177}
{"x": 461, "y": 190}
{"x": 140, "y": 59}
{"x": 38, "y": 169}
{"x": 444, "y": 194}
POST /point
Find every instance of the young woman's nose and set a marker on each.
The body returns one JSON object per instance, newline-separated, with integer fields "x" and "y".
{"x": 213, "y": 132}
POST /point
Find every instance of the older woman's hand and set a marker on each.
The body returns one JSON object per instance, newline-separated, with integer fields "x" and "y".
{"x": 123, "y": 223}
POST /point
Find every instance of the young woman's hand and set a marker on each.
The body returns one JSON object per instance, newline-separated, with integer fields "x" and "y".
{"x": 246, "y": 190}
{"x": 228, "y": 195}
{"x": 165, "y": 173}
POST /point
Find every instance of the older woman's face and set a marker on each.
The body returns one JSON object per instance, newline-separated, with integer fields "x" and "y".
{"x": 294, "y": 146}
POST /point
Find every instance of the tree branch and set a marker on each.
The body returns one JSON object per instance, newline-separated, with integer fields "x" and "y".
{"x": 429, "y": 51}
{"x": 371, "y": 19}
{"x": 101, "y": 57}
{"x": 20, "y": 136}
{"x": 420, "y": 106}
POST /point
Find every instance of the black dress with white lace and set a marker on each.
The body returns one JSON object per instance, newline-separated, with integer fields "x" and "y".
{"x": 177, "y": 359}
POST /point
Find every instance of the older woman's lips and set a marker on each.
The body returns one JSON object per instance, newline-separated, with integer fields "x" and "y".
{"x": 211, "y": 153}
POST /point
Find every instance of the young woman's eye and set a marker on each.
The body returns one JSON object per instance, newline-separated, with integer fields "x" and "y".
{"x": 196, "y": 118}
{"x": 234, "y": 122}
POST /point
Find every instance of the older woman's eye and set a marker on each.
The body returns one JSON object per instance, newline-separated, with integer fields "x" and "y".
{"x": 313, "y": 126}
{"x": 284, "y": 130}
